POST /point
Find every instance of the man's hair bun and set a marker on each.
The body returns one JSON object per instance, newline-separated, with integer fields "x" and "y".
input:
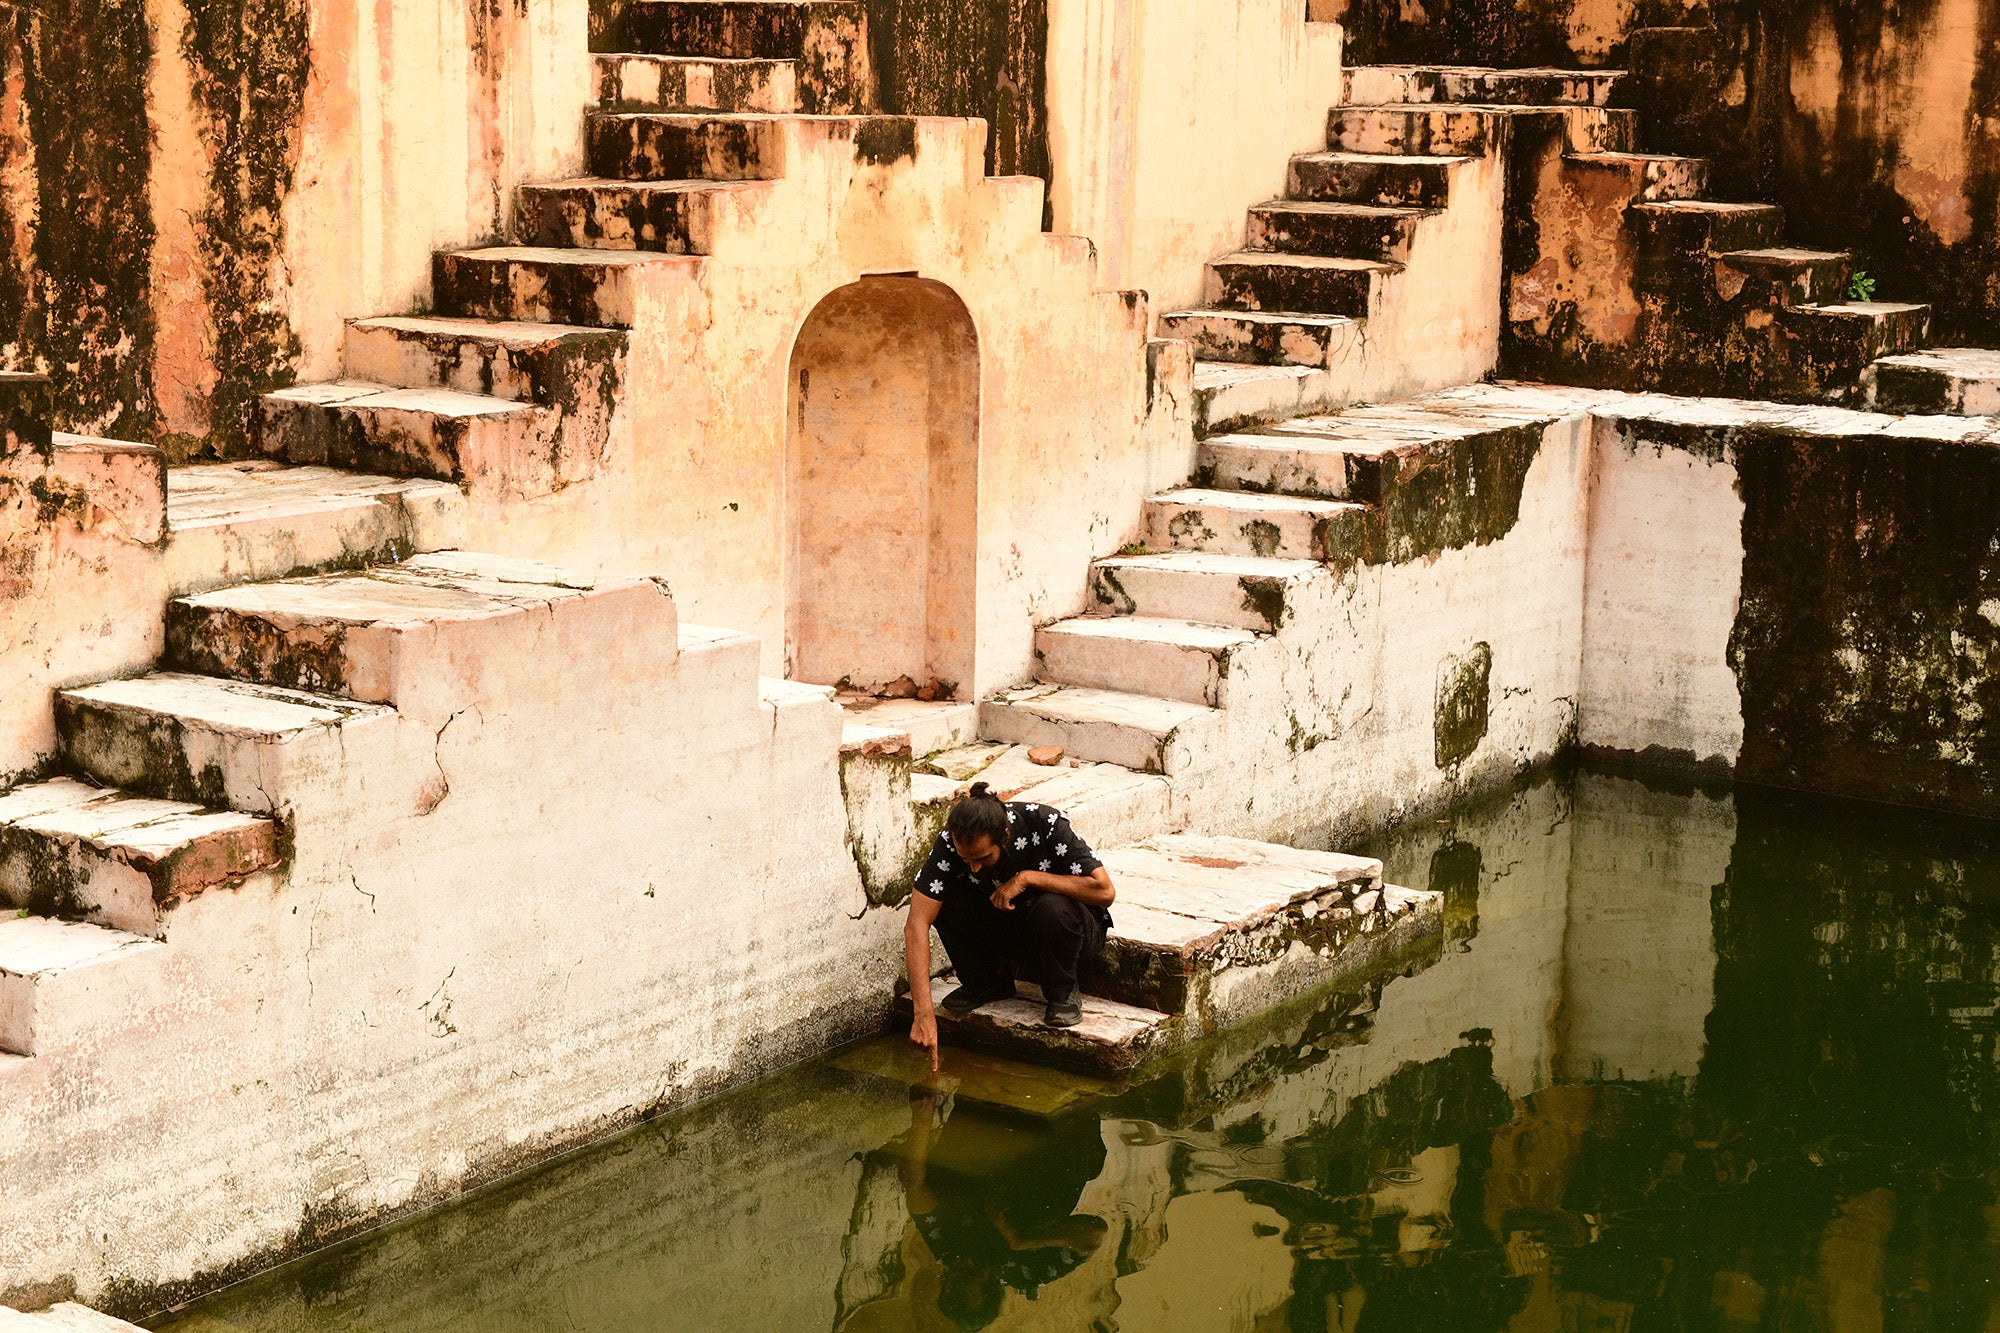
{"x": 980, "y": 791}
{"x": 978, "y": 814}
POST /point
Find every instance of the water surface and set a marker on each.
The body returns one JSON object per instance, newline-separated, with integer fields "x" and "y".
{"x": 1685, "y": 1061}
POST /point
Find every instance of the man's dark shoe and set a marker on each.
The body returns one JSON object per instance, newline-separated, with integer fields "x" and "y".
{"x": 1066, "y": 1012}
{"x": 974, "y": 994}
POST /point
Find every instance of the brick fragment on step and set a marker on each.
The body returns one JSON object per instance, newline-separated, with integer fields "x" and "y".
{"x": 1048, "y": 756}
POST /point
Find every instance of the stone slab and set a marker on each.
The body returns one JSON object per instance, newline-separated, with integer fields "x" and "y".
{"x": 1112, "y": 1038}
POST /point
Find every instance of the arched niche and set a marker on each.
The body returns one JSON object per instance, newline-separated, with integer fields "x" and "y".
{"x": 883, "y": 451}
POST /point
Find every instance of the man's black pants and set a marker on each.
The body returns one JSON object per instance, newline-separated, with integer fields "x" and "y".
{"x": 1045, "y": 940}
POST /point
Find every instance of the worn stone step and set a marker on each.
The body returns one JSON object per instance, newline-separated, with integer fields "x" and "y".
{"x": 1707, "y": 226}
{"x": 668, "y": 146}
{"x": 1838, "y": 341}
{"x": 1646, "y": 177}
{"x": 1385, "y": 84}
{"x": 1139, "y": 732}
{"x": 262, "y": 519}
{"x": 430, "y": 635}
{"x": 1112, "y": 1039}
{"x": 74, "y": 850}
{"x": 550, "y": 365}
{"x": 631, "y": 82}
{"x": 1229, "y": 522}
{"x": 213, "y": 742}
{"x": 1231, "y": 395}
{"x": 1264, "y": 337}
{"x": 1363, "y": 231}
{"x": 1108, "y": 803}
{"x": 1167, "y": 659}
{"x": 1421, "y": 131}
{"x": 490, "y": 444}
{"x": 1246, "y": 592}
{"x": 548, "y": 284}
{"x": 930, "y": 727}
{"x": 595, "y": 213}
{"x": 1400, "y": 179}
{"x": 57, "y": 981}
{"x": 828, "y": 40}
{"x": 1276, "y": 464}
{"x": 1953, "y": 381}
{"x": 1321, "y": 284}
{"x": 1782, "y": 276}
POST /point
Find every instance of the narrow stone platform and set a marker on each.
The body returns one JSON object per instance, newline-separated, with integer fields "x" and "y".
{"x": 1208, "y": 932}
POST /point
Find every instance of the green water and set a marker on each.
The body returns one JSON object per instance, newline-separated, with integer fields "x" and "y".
{"x": 1684, "y": 1062}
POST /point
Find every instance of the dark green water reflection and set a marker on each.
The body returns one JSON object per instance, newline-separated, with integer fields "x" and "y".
{"x": 1685, "y": 1062}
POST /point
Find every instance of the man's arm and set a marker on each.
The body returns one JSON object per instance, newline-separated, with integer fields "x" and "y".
{"x": 917, "y": 961}
{"x": 1094, "y": 889}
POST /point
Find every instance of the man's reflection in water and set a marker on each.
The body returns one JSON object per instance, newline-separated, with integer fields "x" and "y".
{"x": 994, "y": 1198}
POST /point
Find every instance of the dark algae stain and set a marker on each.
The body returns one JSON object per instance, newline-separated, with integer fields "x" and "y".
{"x": 986, "y": 59}
{"x": 1464, "y": 688}
{"x": 1443, "y": 495}
{"x": 249, "y": 60}
{"x": 85, "y": 313}
{"x": 1867, "y": 644}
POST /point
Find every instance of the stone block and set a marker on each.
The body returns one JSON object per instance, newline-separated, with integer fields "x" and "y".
{"x": 546, "y": 284}
{"x": 1167, "y": 659}
{"x": 1426, "y": 131}
{"x": 664, "y": 146}
{"x": 1247, "y": 592}
{"x": 550, "y": 365}
{"x": 1241, "y": 523}
{"x": 57, "y": 977}
{"x": 630, "y": 82}
{"x": 1139, "y": 732}
{"x": 1365, "y": 231}
{"x": 1396, "y": 179}
{"x": 1955, "y": 381}
{"x": 1262, "y": 337}
{"x": 1644, "y": 177}
{"x": 1113, "y": 1038}
{"x": 667, "y": 217}
{"x": 827, "y": 40}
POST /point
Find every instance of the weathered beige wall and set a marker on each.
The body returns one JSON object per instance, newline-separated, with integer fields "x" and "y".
{"x": 195, "y": 193}
{"x": 1169, "y": 118}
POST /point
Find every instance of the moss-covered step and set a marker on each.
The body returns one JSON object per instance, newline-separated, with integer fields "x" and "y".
{"x": 1944, "y": 381}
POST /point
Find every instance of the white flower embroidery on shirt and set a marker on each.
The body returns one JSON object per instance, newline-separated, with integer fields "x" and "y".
{"x": 1045, "y": 866}
{"x": 1020, "y": 844}
{"x": 937, "y": 886}
{"x": 1061, "y": 847}
{"x": 1075, "y": 869}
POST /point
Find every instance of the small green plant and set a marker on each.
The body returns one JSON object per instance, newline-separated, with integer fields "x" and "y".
{"x": 1861, "y": 287}
{"x": 1135, "y": 548}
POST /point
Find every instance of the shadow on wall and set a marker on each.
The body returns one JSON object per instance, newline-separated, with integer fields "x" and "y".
{"x": 1877, "y": 127}
{"x": 884, "y": 460}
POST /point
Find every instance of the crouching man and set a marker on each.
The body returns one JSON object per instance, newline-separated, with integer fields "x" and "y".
{"x": 1014, "y": 892}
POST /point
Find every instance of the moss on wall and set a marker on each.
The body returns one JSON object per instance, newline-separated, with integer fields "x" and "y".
{"x": 986, "y": 59}
{"x": 1867, "y": 644}
{"x": 249, "y": 59}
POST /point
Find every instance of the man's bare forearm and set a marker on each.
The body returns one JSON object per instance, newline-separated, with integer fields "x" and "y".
{"x": 917, "y": 960}
{"x": 1094, "y": 889}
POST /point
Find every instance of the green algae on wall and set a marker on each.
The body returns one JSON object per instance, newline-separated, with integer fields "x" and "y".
{"x": 249, "y": 60}
{"x": 83, "y": 309}
{"x": 986, "y": 59}
{"x": 1867, "y": 644}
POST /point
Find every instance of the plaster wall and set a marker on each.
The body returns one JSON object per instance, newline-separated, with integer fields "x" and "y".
{"x": 468, "y": 964}
{"x": 195, "y": 194}
{"x": 1169, "y": 118}
{"x": 83, "y": 532}
{"x": 1072, "y": 429}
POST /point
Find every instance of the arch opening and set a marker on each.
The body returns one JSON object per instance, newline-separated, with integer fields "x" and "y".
{"x": 883, "y": 449}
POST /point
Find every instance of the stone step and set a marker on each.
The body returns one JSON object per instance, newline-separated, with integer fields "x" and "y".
{"x": 929, "y": 727}
{"x": 431, "y": 635}
{"x": 667, "y": 146}
{"x": 212, "y": 742}
{"x": 1140, "y": 732}
{"x": 1322, "y": 284}
{"x": 827, "y": 38}
{"x": 1245, "y": 592}
{"x": 1275, "y": 465}
{"x": 73, "y": 850}
{"x": 1384, "y": 447}
{"x": 53, "y": 990}
{"x": 1384, "y": 84}
{"x": 547, "y": 284}
{"x": 1290, "y": 527}
{"x": 1113, "y": 802}
{"x": 1954, "y": 381}
{"x": 550, "y": 365}
{"x": 1646, "y": 177}
{"x": 1782, "y": 276}
{"x": 1838, "y": 341}
{"x": 490, "y": 444}
{"x": 632, "y": 82}
{"x": 1214, "y": 930}
{"x": 1264, "y": 337}
{"x": 1405, "y": 180}
{"x": 1166, "y": 659}
{"x": 594, "y": 213}
{"x": 1112, "y": 1039}
{"x": 63, "y": 1317}
{"x": 1363, "y": 231}
{"x": 1413, "y": 130}
{"x": 262, "y": 519}
{"x": 1230, "y": 395}
{"x": 1707, "y": 226}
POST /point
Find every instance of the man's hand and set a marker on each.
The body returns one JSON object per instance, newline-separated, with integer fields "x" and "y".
{"x": 923, "y": 1033}
{"x": 1004, "y": 896}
